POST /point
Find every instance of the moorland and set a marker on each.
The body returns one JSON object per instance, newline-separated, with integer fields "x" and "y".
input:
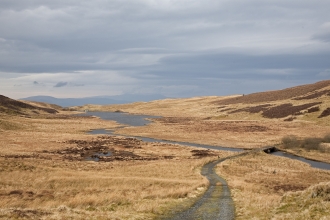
{"x": 44, "y": 172}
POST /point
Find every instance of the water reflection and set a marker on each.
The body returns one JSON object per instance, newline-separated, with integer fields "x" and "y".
{"x": 123, "y": 118}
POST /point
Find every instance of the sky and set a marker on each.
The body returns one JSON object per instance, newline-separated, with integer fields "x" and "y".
{"x": 176, "y": 48}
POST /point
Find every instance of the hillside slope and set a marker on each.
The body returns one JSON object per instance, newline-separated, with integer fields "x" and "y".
{"x": 248, "y": 121}
{"x": 13, "y": 107}
{"x": 308, "y": 91}
{"x": 306, "y": 102}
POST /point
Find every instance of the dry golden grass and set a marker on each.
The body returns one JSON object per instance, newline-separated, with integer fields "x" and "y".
{"x": 205, "y": 120}
{"x": 311, "y": 154}
{"x": 42, "y": 185}
{"x": 312, "y": 203}
{"x": 197, "y": 106}
{"x": 133, "y": 190}
{"x": 230, "y": 133}
{"x": 259, "y": 181}
{"x": 46, "y": 185}
{"x": 43, "y": 104}
{"x": 19, "y": 134}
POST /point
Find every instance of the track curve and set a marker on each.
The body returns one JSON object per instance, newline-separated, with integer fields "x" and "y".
{"x": 216, "y": 202}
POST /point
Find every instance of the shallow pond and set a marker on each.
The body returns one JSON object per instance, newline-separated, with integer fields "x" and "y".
{"x": 123, "y": 118}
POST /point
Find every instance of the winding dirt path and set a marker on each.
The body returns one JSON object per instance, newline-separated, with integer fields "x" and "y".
{"x": 216, "y": 203}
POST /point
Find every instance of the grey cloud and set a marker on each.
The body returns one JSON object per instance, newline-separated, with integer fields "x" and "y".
{"x": 325, "y": 37}
{"x": 77, "y": 84}
{"x": 35, "y": 83}
{"x": 218, "y": 65}
{"x": 61, "y": 84}
{"x": 187, "y": 43}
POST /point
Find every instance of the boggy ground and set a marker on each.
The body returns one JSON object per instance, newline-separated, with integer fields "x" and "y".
{"x": 246, "y": 134}
{"x": 44, "y": 174}
{"x": 248, "y": 121}
{"x": 263, "y": 186}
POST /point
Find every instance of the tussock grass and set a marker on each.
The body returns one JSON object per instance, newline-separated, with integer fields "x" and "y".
{"x": 326, "y": 138}
{"x": 8, "y": 125}
{"x": 258, "y": 182}
{"x": 37, "y": 184}
{"x": 115, "y": 189}
{"x": 308, "y": 144}
{"x": 312, "y": 203}
{"x": 290, "y": 142}
{"x": 311, "y": 144}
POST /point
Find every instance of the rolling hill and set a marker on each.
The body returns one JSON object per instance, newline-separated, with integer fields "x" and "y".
{"x": 96, "y": 100}
{"x": 306, "y": 102}
{"x": 309, "y": 91}
{"x": 14, "y": 107}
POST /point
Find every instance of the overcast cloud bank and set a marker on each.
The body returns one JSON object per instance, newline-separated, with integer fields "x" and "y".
{"x": 174, "y": 48}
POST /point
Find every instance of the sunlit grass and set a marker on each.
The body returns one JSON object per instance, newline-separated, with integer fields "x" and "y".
{"x": 34, "y": 184}
{"x": 258, "y": 182}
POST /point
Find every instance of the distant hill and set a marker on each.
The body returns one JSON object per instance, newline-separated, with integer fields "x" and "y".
{"x": 306, "y": 102}
{"x": 307, "y": 91}
{"x": 43, "y": 105}
{"x": 96, "y": 100}
{"x": 14, "y": 107}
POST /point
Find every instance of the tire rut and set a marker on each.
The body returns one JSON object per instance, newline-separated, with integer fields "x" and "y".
{"x": 216, "y": 202}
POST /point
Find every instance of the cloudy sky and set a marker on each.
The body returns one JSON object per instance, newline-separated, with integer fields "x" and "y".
{"x": 177, "y": 48}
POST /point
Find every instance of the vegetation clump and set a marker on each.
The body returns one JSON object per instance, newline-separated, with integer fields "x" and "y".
{"x": 313, "y": 109}
{"x": 326, "y": 138}
{"x": 312, "y": 203}
{"x": 253, "y": 109}
{"x": 290, "y": 142}
{"x": 325, "y": 113}
{"x": 287, "y": 109}
{"x": 314, "y": 95}
{"x": 283, "y": 94}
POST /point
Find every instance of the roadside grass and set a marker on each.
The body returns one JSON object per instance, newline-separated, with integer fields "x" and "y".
{"x": 258, "y": 182}
{"x": 119, "y": 188}
{"x": 312, "y": 203}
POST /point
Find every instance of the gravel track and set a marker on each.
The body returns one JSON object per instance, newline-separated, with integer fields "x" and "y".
{"x": 216, "y": 203}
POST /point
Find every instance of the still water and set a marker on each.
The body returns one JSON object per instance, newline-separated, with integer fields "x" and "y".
{"x": 316, "y": 164}
{"x": 123, "y": 118}
{"x": 141, "y": 120}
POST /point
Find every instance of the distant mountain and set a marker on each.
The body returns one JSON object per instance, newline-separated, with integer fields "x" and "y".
{"x": 96, "y": 100}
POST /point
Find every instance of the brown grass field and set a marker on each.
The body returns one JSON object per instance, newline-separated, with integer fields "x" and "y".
{"x": 271, "y": 187}
{"x": 249, "y": 121}
{"x": 44, "y": 173}
{"x": 39, "y": 181}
